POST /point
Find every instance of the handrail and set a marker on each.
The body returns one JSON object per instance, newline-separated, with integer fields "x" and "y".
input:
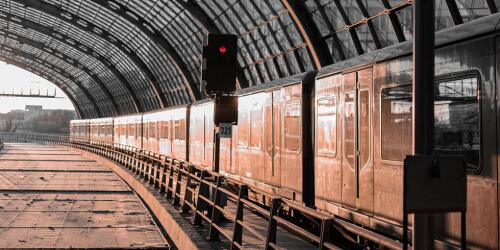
{"x": 202, "y": 193}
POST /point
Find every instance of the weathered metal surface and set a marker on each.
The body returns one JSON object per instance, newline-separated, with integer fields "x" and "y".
{"x": 68, "y": 201}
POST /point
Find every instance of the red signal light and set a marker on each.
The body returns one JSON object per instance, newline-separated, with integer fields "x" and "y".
{"x": 222, "y": 49}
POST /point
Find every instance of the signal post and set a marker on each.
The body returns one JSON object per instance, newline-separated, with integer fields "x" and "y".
{"x": 219, "y": 77}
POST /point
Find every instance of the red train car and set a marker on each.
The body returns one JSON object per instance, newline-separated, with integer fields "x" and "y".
{"x": 201, "y": 133}
{"x": 128, "y": 131}
{"x": 270, "y": 148}
{"x": 80, "y": 130}
{"x": 166, "y": 132}
{"x": 101, "y": 130}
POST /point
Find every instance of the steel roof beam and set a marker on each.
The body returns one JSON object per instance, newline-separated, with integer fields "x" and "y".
{"x": 202, "y": 17}
{"x": 91, "y": 28}
{"x": 335, "y": 39}
{"x": 352, "y": 31}
{"x": 454, "y": 12}
{"x": 33, "y": 58}
{"x": 146, "y": 28}
{"x": 396, "y": 24}
{"x": 369, "y": 22}
{"x": 77, "y": 46}
{"x": 317, "y": 47}
{"x": 71, "y": 61}
{"x": 492, "y": 6}
{"x": 50, "y": 78}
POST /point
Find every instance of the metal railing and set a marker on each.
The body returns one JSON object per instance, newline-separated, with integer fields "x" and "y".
{"x": 203, "y": 194}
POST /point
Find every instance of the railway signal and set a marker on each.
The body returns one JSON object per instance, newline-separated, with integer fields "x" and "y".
{"x": 220, "y": 64}
{"x": 219, "y": 77}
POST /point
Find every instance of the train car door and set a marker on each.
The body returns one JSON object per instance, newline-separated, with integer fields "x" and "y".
{"x": 272, "y": 137}
{"x": 357, "y": 170}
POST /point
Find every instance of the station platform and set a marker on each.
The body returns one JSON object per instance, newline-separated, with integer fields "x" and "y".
{"x": 51, "y": 197}
{"x": 180, "y": 225}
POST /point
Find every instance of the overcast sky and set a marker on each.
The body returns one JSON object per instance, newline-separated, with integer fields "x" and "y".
{"x": 14, "y": 78}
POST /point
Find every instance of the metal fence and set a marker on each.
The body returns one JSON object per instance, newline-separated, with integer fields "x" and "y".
{"x": 203, "y": 194}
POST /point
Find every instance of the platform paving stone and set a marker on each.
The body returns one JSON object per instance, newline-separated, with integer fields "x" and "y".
{"x": 51, "y": 197}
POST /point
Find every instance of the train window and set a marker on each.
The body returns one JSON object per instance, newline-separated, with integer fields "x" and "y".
{"x": 209, "y": 132}
{"x": 138, "y": 129}
{"x": 350, "y": 127}
{"x": 123, "y": 130}
{"x": 396, "y": 126}
{"x": 197, "y": 129}
{"x": 292, "y": 127}
{"x": 243, "y": 129}
{"x": 327, "y": 126}
{"x": 182, "y": 131}
{"x": 256, "y": 128}
{"x": 456, "y": 118}
{"x": 268, "y": 128}
{"x": 131, "y": 130}
{"x": 179, "y": 129}
{"x": 165, "y": 130}
{"x": 176, "y": 130}
{"x": 152, "y": 130}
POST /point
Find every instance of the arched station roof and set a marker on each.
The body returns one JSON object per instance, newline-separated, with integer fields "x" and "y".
{"x": 115, "y": 57}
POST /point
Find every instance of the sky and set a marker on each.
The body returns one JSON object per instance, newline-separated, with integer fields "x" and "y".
{"x": 16, "y": 79}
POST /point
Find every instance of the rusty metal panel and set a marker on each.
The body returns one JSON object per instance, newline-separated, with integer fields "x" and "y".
{"x": 328, "y": 149}
{"x": 291, "y": 150}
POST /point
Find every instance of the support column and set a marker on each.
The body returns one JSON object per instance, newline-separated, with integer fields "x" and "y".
{"x": 423, "y": 103}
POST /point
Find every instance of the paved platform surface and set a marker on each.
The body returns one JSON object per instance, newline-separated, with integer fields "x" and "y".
{"x": 198, "y": 234}
{"x": 51, "y": 197}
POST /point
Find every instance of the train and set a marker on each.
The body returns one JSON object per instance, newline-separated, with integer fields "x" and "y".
{"x": 335, "y": 139}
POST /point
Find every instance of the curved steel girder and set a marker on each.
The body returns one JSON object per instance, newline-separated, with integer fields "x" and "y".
{"x": 88, "y": 27}
{"x": 69, "y": 60}
{"x": 52, "y": 79}
{"x": 492, "y": 5}
{"x": 129, "y": 15}
{"x": 396, "y": 24}
{"x": 317, "y": 47}
{"x": 32, "y": 57}
{"x": 202, "y": 17}
{"x": 454, "y": 12}
{"x": 77, "y": 46}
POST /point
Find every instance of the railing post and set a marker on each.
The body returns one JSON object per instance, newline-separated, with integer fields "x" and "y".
{"x": 163, "y": 176}
{"x": 213, "y": 233}
{"x": 238, "y": 228}
{"x": 158, "y": 183}
{"x": 325, "y": 232}
{"x": 152, "y": 171}
{"x": 203, "y": 191}
{"x": 140, "y": 165}
{"x": 188, "y": 195}
{"x": 272, "y": 226}
{"x": 170, "y": 178}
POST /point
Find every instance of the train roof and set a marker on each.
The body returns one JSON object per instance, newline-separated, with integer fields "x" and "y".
{"x": 79, "y": 121}
{"x": 173, "y": 112}
{"x": 166, "y": 109}
{"x": 481, "y": 26}
{"x": 102, "y": 120}
{"x": 201, "y": 102}
{"x": 128, "y": 118}
{"x": 306, "y": 78}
